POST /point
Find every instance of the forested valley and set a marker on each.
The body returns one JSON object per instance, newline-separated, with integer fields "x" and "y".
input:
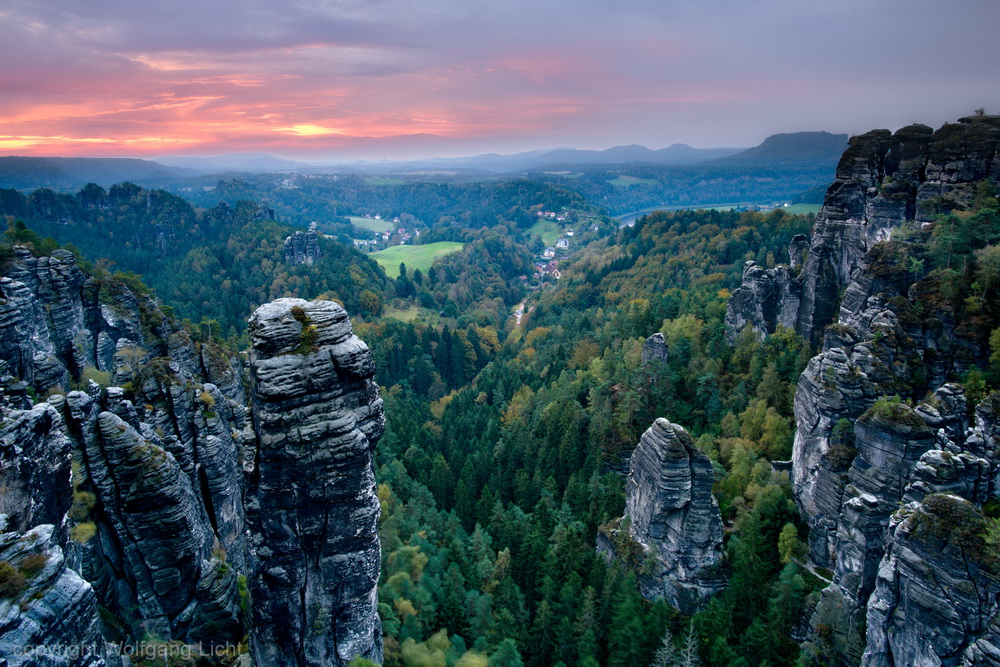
{"x": 506, "y": 444}
{"x": 503, "y": 453}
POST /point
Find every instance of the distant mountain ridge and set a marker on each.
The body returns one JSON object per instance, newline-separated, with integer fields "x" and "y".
{"x": 677, "y": 154}
{"x": 248, "y": 162}
{"x": 798, "y": 148}
{"x": 32, "y": 172}
{"x": 792, "y": 148}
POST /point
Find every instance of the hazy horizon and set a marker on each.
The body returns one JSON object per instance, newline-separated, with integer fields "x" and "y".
{"x": 394, "y": 80}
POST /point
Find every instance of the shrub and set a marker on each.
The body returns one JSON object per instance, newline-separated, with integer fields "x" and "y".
{"x": 244, "y": 594}
{"x": 894, "y": 411}
{"x": 11, "y": 580}
{"x": 83, "y": 503}
{"x": 103, "y": 378}
{"x": 308, "y": 340}
{"x": 83, "y": 532}
{"x": 887, "y": 259}
{"x": 34, "y": 564}
{"x": 956, "y": 521}
{"x": 207, "y": 399}
{"x": 841, "y": 457}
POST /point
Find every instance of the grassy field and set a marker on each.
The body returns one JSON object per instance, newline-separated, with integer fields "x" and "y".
{"x": 802, "y": 208}
{"x": 548, "y": 230}
{"x": 626, "y": 181}
{"x": 414, "y": 256}
{"x": 377, "y": 226}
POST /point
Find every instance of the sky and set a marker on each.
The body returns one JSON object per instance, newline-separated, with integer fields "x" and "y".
{"x": 323, "y": 79}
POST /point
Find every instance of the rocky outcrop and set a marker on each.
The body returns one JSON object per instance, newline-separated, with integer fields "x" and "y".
{"x": 836, "y": 388}
{"x": 851, "y": 471}
{"x": 860, "y": 454}
{"x": 766, "y": 299}
{"x": 302, "y": 247}
{"x": 58, "y": 324}
{"x": 941, "y": 471}
{"x": 317, "y": 415}
{"x": 154, "y": 494}
{"x": 888, "y": 441}
{"x": 883, "y": 180}
{"x": 42, "y": 318}
{"x": 34, "y": 467}
{"x": 48, "y": 613}
{"x": 173, "y": 501}
{"x": 935, "y": 602}
{"x": 896, "y": 460}
{"x": 154, "y": 558}
{"x": 673, "y": 518}
{"x": 654, "y": 350}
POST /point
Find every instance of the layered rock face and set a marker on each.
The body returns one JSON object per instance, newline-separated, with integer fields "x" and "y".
{"x": 155, "y": 549}
{"x": 858, "y": 456}
{"x": 883, "y": 179}
{"x": 48, "y": 613}
{"x": 674, "y": 518}
{"x": 302, "y": 247}
{"x": 34, "y": 467}
{"x": 889, "y": 440}
{"x": 935, "y": 600}
{"x": 317, "y": 415}
{"x": 154, "y": 495}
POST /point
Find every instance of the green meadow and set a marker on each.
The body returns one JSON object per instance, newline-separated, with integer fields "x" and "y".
{"x": 414, "y": 256}
{"x": 802, "y": 208}
{"x": 548, "y": 230}
{"x": 377, "y": 226}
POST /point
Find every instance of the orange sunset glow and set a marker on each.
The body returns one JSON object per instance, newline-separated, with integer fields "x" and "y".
{"x": 353, "y": 78}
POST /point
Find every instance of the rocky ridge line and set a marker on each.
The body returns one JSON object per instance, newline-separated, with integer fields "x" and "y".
{"x": 883, "y": 179}
{"x": 858, "y": 455}
{"x": 145, "y": 485}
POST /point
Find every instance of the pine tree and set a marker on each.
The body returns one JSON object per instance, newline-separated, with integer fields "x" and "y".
{"x": 506, "y": 655}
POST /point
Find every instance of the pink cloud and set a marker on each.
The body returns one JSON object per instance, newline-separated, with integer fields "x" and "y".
{"x": 120, "y": 78}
